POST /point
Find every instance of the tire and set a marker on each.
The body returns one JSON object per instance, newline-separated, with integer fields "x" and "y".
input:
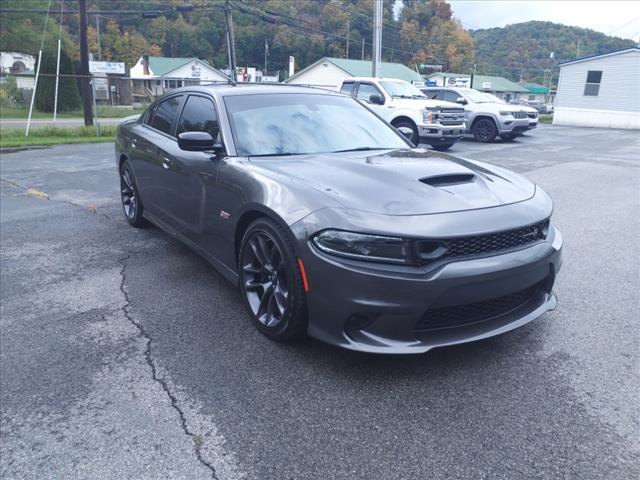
{"x": 271, "y": 282}
{"x": 409, "y": 124}
{"x": 484, "y": 130}
{"x": 443, "y": 147}
{"x": 510, "y": 137}
{"x": 131, "y": 203}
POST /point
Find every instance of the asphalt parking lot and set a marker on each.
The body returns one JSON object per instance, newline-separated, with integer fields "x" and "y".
{"x": 124, "y": 355}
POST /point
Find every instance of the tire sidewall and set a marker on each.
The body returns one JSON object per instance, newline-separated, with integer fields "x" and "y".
{"x": 492, "y": 135}
{"x": 137, "y": 220}
{"x": 295, "y": 301}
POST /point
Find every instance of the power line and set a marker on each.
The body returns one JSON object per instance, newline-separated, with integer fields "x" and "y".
{"x": 622, "y": 26}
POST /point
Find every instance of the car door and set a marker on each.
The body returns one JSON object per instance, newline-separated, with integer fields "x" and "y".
{"x": 363, "y": 92}
{"x": 155, "y": 150}
{"x": 190, "y": 177}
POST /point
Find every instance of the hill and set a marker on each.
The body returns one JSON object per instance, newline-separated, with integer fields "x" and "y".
{"x": 522, "y": 50}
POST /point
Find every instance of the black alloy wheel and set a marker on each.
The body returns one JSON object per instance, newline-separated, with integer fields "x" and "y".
{"x": 130, "y": 199}
{"x": 484, "y": 130}
{"x": 271, "y": 282}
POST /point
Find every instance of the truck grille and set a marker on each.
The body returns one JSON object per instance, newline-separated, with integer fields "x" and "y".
{"x": 451, "y": 116}
{"x": 461, "y": 315}
{"x": 519, "y": 114}
{"x": 461, "y": 247}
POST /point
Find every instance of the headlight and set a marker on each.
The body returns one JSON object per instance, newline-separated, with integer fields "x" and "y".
{"x": 428, "y": 117}
{"x": 363, "y": 247}
{"x": 505, "y": 113}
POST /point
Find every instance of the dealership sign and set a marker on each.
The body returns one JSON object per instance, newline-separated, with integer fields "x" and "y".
{"x": 106, "y": 67}
{"x": 458, "y": 81}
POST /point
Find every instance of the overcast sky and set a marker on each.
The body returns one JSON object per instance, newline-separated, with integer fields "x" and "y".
{"x": 612, "y": 17}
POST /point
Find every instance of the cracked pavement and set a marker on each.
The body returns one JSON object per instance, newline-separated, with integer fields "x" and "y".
{"x": 124, "y": 355}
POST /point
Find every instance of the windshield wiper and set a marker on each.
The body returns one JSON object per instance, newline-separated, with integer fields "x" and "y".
{"x": 363, "y": 149}
{"x": 275, "y": 154}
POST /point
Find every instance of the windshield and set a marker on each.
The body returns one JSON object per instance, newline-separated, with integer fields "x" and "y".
{"x": 399, "y": 89}
{"x": 494, "y": 99}
{"x": 295, "y": 124}
{"x": 474, "y": 96}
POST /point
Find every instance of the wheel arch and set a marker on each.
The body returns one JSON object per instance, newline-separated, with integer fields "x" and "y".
{"x": 485, "y": 117}
{"x": 402, "y": 118}
{"x": 250, "y": 214}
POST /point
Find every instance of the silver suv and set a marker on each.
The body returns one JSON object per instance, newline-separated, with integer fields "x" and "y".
{"x": 485, "y": 118}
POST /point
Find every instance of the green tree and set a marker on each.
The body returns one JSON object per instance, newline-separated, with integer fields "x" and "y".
{"x": 68, "y": 93}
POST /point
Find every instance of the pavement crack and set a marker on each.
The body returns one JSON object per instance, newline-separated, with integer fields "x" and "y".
{"x": 32, "y": 192}
{"x": 195, "y": 439}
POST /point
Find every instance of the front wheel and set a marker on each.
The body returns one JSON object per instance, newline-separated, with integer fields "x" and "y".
{"x": 414, "y": 130}
{"x": 271, "y": 281}
{"x": 443, "y": 147}
{"x": 484, "y": 130}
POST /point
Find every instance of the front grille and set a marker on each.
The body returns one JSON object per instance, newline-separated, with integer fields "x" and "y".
{"x": 451, "y": 116}
{"x": 519, "y": 114}
{"x": 461, "y": 315}
{"x": 462, "y": 247}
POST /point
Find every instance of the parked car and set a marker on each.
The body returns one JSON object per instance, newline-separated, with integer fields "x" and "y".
{"x": 436, "y": 123}
{"x": 540, "y": 106}
{"x": 485, "y": 118}
{"x": 330, "y": 222}
{"x": 532, "y": 113}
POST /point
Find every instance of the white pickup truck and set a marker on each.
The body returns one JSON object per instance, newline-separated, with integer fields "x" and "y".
{"x": 434, "y": 122}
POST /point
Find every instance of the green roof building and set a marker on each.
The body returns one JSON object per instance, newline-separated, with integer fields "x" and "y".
{"x": 329, "y": 72}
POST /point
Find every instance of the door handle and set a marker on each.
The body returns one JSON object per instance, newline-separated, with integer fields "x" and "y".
{"x": 166, "y": 162}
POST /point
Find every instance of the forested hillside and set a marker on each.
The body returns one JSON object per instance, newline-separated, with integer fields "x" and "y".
{"x": 523, "y": 50}
{"x": 424, "y": 32}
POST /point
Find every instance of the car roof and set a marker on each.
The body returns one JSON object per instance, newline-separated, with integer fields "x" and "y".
{"x": 229, "y": 89}
{"x": 369, "y": 79}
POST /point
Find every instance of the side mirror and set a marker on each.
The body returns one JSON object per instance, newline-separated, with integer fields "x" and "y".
{"x": 195, "y": 141}
{"x": 461, "y": 101}
{"x": 407, "y": 132}
{"x": 376, "y": 99}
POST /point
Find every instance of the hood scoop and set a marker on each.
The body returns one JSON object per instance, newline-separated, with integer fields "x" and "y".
{"x": 448, "y": 180}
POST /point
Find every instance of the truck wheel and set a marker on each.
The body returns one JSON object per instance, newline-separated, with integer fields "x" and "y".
{"x": 484, "y": 130}
{"x": 409, "y": 124}
{"x": 443, "y": 147}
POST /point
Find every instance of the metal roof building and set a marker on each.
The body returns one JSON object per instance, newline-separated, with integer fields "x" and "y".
{"x": 329, "y": 72}
{"x": 600, "y": 91}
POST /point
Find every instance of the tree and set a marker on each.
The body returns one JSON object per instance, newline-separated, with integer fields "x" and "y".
{"x": 68, "y": 93}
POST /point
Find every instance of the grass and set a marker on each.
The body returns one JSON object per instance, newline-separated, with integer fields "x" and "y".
{"x": 545, "y": 118}
{"x": 14, "y": 137}
{"x": 104, "y": 111}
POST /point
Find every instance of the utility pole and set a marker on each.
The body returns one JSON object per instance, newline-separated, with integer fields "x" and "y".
{"x": 363, "y": 47}
{"x": 377, "y": 38}
{"x": 231, "y": 43}
{"x": 473, "y": 74}
{"x": 578, "y": 49}
{"x": 348, "y": 26}
{"x": 87, "y": 97}
{"x": 98, "y": 35}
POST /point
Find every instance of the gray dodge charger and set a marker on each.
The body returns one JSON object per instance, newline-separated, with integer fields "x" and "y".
{"x": 333, "y": 225}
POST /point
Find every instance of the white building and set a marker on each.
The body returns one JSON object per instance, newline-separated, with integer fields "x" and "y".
{"x": 20, "y": 64}
{"x": 329, "y": 72}
{"x": 600, "y": 91}
{"x": 152, "y": 76}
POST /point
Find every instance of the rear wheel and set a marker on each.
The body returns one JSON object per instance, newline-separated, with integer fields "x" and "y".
{"x": 443, "y": 147}
{"x": 271, "y": 281}
{"x": 131, "y": 204}
{"x": 409, "y": 124}
{"x": 484, "y": 130}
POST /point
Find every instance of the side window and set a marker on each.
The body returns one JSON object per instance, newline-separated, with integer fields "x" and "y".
{"x": 592, "y": 87}
{"x": 365, "y": 90}
{"x": 149, "y": 116}
{"x": 165, "y": 114}
{"x": 432, "y": 94}
{"x": 449, "y": 96}
{"x": 347, "y": 87}
{"x": 198, "y": 115}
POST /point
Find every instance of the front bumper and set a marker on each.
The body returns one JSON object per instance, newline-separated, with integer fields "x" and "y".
{"x": 436, "y": 134}
{"x": 513, "y": 127}
{"x": 533, "y": 125}
{"x": 373, "y": 310}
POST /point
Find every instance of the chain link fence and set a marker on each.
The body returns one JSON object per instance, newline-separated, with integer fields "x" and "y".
{"x": 109, "y": 98}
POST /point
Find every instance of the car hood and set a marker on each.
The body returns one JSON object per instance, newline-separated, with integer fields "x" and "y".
{"x": 402, "y": 182}
{"x": 497, "y": 107}
{"x": 419, "y": 103}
